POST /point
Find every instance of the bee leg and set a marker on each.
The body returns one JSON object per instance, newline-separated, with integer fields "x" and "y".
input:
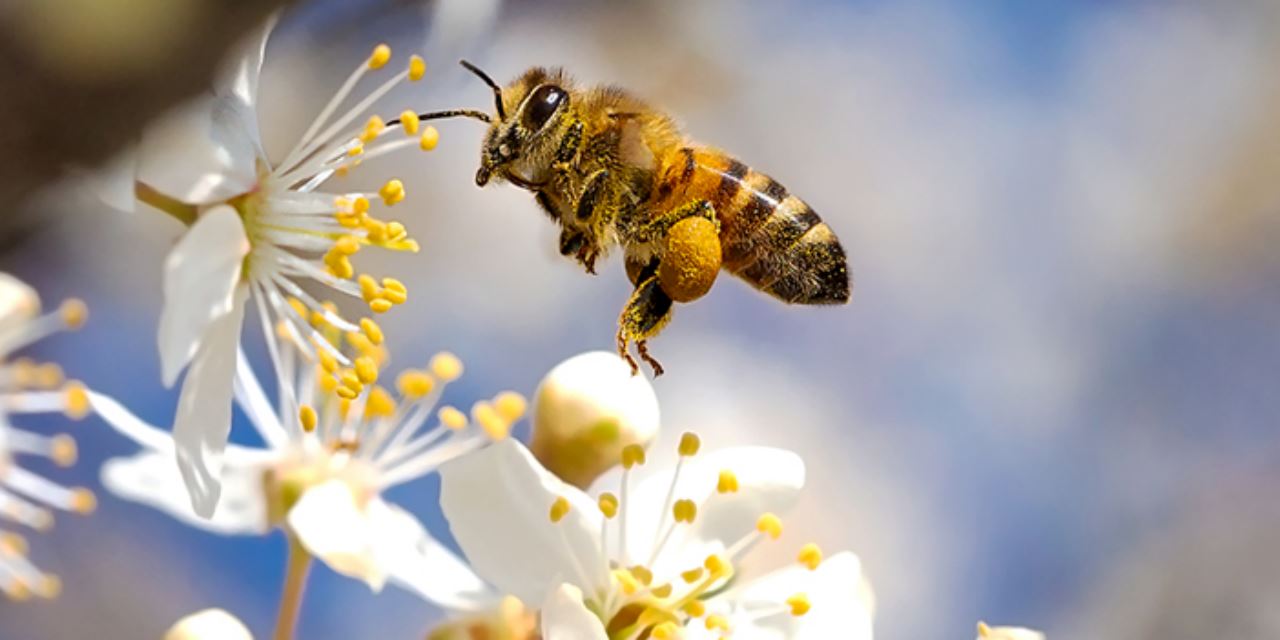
{"x": 571, "y": 242}
{"x": 658, "y": 227}
{"x": 646, "y": 313}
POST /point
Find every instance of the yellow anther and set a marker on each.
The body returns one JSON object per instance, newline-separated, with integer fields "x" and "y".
{"x": 487, "y": 417}
{"x": 327, "y": 382}
{"x": 695, "y": 608}
{"x": 62, "y": 450}
{"x": 380, "y": 404}
{"x": 627, "y": 581}
{"x": 414, "y": 384}
{"x": 559, "y": 509}
{"x": 380, "y": 305}
{"x": 799, "y": 604}
{"x": 366, "y": 370}
{"x": 344, "y": 407}
{"x": 348, "y": 220}
{"x": 355, "y": 150}
{"x": 12, "y": 544}
{"x": 394, "y": 290}
{"x": 374, "y": 126}
{"x": 76, "y": 398}
{"x": 661, "y": 591}
{"x": 340, "y": 267}
{"x": 984, "y": 631}
{"x": 446, "y": 366}
{"x": 371, "y": 330}
{"x": 632, "y": 455}
{"x": 689, "y": 444}
{"x": 347, "y": 245}
{"x": 691, "y": 576}
{"x": 451, "y": 418}
{"x": 608, "y": 505}
{"x": 665, "y": 631}
{"x": 396, "y": 231}
{"x": 392, "y": 192}
{"x": 717, "y": 566}
{"x": 410, "y": 122}
{"x": 298, "y": 307}
{"x": 346, "y": 393}
{"x": 375, "y": 230}
{"x": 49, "y": 586}
{"x": 342, "y": 202}
{"x": 642, "y": 574}
{"x": 307, "y": 418}
{"x": 48, "y": 375}
{"x": 74, "y": 313}
{"x": 368, "y": 287}
{"x": 717, "y": 622}
{"x": 510, "y": 405}
{"x": 684, "y": 511}
{"x": 728, "y": 482}
{"x": 417, "y": 68}
{"x": 350, "y": 379}
{"x": 360, "y": 205}
{"x": 380, "y": 56}
{"x": 83, "y": 501}
{"x": 430, "y": 138}
{"x": 317, "y": 319}
{"x": 327, "y": 361}
{"x": 18, "y": 591}
{"x": 810, "y": 556}
{"x": 770, "y": 525}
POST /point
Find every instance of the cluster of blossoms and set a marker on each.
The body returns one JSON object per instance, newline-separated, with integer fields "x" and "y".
{"x": 635, "y": 555}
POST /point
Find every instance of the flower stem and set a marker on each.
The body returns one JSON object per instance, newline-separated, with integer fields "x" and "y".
{"x": 181, "y": 211}
{"x": 295, "y": 581}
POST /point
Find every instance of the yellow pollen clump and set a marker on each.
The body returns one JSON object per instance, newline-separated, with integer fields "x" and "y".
{"x": 608, "y": 505}
{"x": 451, "y": 418}
{"x": 487, "y": 417}
{"x": 559, "y": 509}
{"x": 728, "y": 482}
{"x": 307, "y": 418}
{"x": 446, "y": 366}
{"x": 695, "y": 608}
{"x": 372, "y": 331}
{"x": 380, "y": 56}
{"x": 417, "y": 68}
{"x": 665, "y": 631}
{"x": 632, "y": 455}
{"x": 810, "y": 556}
{"x": 77, "y": 400}
{"x": 684, "y": 511}
{"x": 392, "y": 192}
{"x": 74, "y": 313}
{"x": 689, "y": 444}
{"x": 380, "y": 403}
{"x": 770, "y": 525}
{"x": 366, "y": 370}
{"x": 799, "y": 604}
{"x": 414, "y": 384}
{"x": 691, "y": 261}
{"x": 430, "y": 138}
{"x": 410, "y": 122}
{"x": 691, "y": 576}
{"x": 717, "y": 622}
{"x": 83, "y": 501}
{"x": 510, "y": 405}
{"x": 62, "y": 449}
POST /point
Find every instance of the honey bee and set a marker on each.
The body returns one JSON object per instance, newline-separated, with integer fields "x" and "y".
{"x": 610, "y": 170}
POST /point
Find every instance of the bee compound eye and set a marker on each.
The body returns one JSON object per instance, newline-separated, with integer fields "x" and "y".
{"x": 543, "y": 104}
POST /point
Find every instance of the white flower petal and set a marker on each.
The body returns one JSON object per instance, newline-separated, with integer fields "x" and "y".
{"x": 203, "y": 422}
{"x": 201, "y": 276}
{"x": 566, "y": 617}
{"x": 152, "y": 478}
{"x": 335, "y": 529}
{"x": 1008, "y": 633}
{"x": 113, "y": 182}
{"x": 19, "y": 303}
{"x": 201, "y": 153}
{"x": 416, "y": 561}
{"x": 769, "y": 481}
{"x": 837, "y": 592}
{"x": 210, "y": 624}
{"x": 241, "y": 79}
{"x": 498, "y": 500}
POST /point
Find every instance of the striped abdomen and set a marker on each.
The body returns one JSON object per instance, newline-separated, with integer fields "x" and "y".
{"x": 769, "y": 238}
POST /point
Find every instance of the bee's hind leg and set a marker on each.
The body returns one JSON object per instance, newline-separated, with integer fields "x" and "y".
{"x": 646, "y": 313}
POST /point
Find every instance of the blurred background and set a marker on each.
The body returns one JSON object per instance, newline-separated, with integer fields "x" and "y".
{"x": 1053, "y": 400}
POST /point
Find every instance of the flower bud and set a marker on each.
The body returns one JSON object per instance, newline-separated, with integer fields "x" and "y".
{"x": 18, "y": 302}
{"x": 585, "y": 411}
{"x": 210, "y": 624}
{"x": 1007, "y": 633}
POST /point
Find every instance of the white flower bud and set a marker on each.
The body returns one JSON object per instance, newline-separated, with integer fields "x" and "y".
{"x": 585, "y": 411}
{"x": 1007, "y": 633}
{"x": 210, "y": 624}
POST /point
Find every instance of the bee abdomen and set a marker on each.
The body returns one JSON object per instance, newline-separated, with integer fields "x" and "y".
{"x": 776, "y": 242}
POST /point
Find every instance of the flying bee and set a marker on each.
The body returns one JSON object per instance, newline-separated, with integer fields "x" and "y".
{"x": 611, "y": 170}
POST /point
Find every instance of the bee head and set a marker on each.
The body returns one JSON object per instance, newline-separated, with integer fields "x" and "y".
{"x": 517, "y": 147}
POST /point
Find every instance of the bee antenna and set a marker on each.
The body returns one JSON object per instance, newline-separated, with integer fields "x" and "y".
{"x": 497, "y": 90}
{"x": 451, "y": 113}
